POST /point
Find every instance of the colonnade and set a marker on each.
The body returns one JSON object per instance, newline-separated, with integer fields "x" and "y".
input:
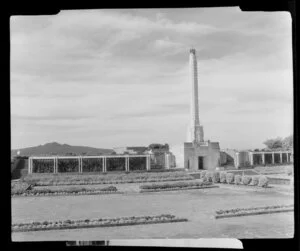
{"x": 286, "y": 154}
{"x": 80, "y": 160}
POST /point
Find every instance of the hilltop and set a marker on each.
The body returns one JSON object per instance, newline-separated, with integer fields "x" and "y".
{"x": 55, "y": 148}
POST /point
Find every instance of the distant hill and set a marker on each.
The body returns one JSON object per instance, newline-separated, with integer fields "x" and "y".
{"x": 55, "y": 148}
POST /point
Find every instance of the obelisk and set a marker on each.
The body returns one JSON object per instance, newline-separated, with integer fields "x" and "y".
{"x": 196, "y": 130}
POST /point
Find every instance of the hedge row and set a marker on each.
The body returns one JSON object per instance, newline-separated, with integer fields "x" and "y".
{"x": 253, "y": 211}
{"x": 68, "y": 224}
{"x": 73, "y": 191}
{"x": 108, "y": 178}
{"x": 175, "y": 185}
{"x": 235, "y": 210}
{"x": 230, "y": 178}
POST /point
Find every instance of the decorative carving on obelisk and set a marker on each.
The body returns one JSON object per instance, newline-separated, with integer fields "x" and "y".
{"x": 197, "y": 135}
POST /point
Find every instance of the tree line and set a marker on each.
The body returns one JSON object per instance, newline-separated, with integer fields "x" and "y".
{"x": 279, "y": 143}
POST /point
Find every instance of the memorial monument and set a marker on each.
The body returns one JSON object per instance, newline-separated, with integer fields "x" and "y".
{"x": 198, "y": 153}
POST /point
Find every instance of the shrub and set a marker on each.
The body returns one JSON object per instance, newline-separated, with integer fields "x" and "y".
{"x": 254, "y": 181}
{"x": 209, "y": 176}
{"x": 222, "y": 177}
{"x": 263, "y": 181}
{"x": 237, "y": 179}
{"x": 229, "y": 178}
{"x": 203, "y": 174}
{"x": 216, "y": 176}
{"x": 246, "y": 179}
{"x": 20, "y": 187}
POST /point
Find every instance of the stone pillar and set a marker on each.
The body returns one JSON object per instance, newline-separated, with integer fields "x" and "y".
{"x": 104, "y": 167}
{"x": 148, "y": 162}
{"x": 237, "y": 160}
{"x": 273, "y": 158}
{"x": 29, "y": 165}
{"x": 263, "y": 159}
{"x": 251, "y": 158}
{"x": 167, "y": 162}
{"x": 56, "y": 165}
{"x": 127, "y": 164}
{"x": 287, "y": 158}
{"x": 281, "y": 158}
{"x": 79, "y": 163}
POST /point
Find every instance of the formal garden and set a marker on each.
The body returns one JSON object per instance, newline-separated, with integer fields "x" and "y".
{"x": 105, "y": 197}
{"x": 198, "y": 206}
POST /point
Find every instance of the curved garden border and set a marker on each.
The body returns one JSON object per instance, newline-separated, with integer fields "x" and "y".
{"x": 123, "y": 221}
{"x": 253, "y": 211}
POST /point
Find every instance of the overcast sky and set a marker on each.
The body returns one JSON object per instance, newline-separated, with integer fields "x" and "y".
{"x": 109, "y": 78}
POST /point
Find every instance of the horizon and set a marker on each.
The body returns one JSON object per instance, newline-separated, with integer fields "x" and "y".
{"x": 113, "y": 78}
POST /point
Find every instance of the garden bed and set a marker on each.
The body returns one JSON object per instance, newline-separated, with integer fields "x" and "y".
{"x": 105, "y": 178}
{"x": 174, "y": 186}
{"x": 253, "y": 211}
{"x": 89, "y": 223}
{"x": 177, "y": 188}
{"x": 246, "y": 187}
{"x": 73, "y": 191}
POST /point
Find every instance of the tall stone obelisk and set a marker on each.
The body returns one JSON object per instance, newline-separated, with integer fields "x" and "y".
{"x": 196, "y": 130}
{"x": 198, "y": 154}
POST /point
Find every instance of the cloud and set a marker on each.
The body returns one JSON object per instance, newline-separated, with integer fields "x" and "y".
{"x": 156, "y": 111}
{"x": 103, "y": 71}
{"x": 51, "y": 118}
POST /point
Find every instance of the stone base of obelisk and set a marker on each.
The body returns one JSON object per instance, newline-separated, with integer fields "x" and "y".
{"x": 202, "y": 156}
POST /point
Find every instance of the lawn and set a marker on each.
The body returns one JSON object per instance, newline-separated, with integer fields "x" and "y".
{"x": 272, "y": 169}
{"x": 198, "y": 206}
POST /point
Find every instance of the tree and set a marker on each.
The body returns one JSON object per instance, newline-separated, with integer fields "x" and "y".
{"x": 288, "y": 142}
{"x": 274, "y": 143}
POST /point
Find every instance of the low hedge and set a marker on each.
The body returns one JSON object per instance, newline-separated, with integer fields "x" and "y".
{"x": 88, "y": 223}
{"x": 175, "y": 185}
{"x": 104, "y": 178}
{"x": 20, "y": 187}
{"x": 253, "y": 210}
{"x": 73, "y": 191}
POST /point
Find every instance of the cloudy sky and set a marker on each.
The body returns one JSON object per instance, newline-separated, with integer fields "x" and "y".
{"x": 108, "y": 78}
